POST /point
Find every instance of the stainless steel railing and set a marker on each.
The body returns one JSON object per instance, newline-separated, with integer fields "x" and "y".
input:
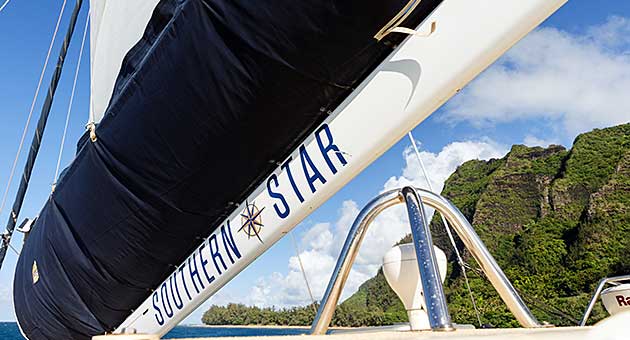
{"x": 462, "y": 227}
{"x": 598, "y": 291}
{"x": 435, "y": 301}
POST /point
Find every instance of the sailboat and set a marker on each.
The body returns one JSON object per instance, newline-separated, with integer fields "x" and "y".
{"x": 217, "y": 126}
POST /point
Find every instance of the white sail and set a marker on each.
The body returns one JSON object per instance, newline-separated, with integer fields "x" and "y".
{"x": 116, "y": 26}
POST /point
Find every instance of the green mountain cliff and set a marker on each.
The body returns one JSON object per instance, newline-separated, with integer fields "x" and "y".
{"x": 556, "y": 221}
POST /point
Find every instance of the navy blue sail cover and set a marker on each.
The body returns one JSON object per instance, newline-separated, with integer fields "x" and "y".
{"x": 209, "y": 100}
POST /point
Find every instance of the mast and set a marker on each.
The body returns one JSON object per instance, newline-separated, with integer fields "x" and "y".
{"x": 37, "y": 138}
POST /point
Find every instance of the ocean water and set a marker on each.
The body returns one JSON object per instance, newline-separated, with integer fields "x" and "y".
{"x": 10, "y": 331}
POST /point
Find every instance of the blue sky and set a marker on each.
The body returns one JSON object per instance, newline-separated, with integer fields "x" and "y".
{"x": 569, "y": 76}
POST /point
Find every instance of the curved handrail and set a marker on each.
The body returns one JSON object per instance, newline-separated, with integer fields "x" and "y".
{"x": 461, "y": 226}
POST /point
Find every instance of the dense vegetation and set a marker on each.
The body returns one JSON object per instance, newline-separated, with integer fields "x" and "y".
{"x": 557, "y": 221}
{"x": 238, "y": 314}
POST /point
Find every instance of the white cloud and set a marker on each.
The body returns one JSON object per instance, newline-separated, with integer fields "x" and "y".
{"x": 6, "y": 304}
{"x": 531, "y": 140}
{"x": 614, "y": 34}
{"x": 578, "y": 82}
{"x": 321, "y": 244}
{"x": 5, "y": 294}
{"x": 440, "y": 166}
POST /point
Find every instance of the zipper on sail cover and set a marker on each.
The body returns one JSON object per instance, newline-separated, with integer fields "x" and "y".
{"x": 394, "y": 24}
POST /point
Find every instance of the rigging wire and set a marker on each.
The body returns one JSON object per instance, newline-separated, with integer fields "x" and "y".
{"x": 308, "y": 286}
{"x": 4, "y": 5}
{"x": 30, "y": 114}
{"x": 74, "y": 84}
{"x": 460, "y": 260}
{"x": 14, "y": 250}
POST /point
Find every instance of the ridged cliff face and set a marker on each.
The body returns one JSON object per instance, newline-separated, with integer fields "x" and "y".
{"x": 556, "y": 220}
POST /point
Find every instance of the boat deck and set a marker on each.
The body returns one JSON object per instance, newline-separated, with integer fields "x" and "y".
{"x": 559, "y": 333}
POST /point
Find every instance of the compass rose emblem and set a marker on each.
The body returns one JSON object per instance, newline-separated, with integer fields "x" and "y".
{"x": 251, "y": 221}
